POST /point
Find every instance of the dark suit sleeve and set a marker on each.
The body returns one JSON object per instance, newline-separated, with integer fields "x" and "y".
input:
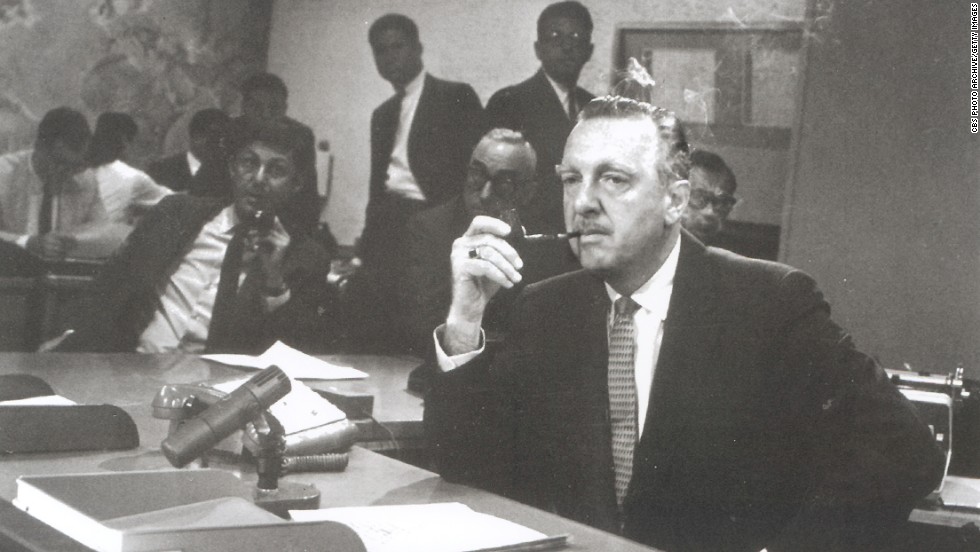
{"x": 427, "y": 289}
{"x": 311, "y": 319}
{"x": 873, "y": 457}
{"x": 112, "y": 320}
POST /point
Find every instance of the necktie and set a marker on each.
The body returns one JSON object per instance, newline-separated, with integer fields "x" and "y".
{"x": 222, "y": 324}
{"x": 45, "y": 218}
{"x": 622, "y": 392}
{"x": 572, "y": 108}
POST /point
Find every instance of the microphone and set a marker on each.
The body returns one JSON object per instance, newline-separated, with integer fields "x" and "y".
{"x": 196, "y": 436}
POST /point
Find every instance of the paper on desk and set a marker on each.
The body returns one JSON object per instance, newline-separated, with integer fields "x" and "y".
{"x": 44, "y": 400}
{"x": 296, "y": 364}
{"x": 448, "y": 527}
{"x": 961, "y": 492}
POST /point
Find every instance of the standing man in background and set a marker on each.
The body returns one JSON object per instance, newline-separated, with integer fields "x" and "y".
{"x": 544, "y": 106}
{"x": 421, "y": 140}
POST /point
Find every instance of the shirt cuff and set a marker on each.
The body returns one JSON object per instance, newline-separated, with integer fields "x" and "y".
{"x": 273, "y": 303}
{"x": 22, "y": 241}
{"x": 446, "y": 362}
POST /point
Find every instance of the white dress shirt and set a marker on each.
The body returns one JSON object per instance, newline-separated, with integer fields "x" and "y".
{"x": 401, "y": 181}
{"x": 124, "y": 188}
{"x": 563, "y": 93}
{"x": 183, "y": 313}
{"x": 193, "y": 163}
{"x": 654, "y": 299}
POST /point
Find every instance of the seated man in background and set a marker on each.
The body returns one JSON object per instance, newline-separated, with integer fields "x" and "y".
{"x": 712, "y": 196}
{"x": 202, "y": 275}
{"x": 685, "y": 397}
{"x": 45, "y": 198}
{"x": 126, "y": 191}
{"x": 264, "y": 102}
{"x": 178, "y": 172}
{"x": 499, "y": 181}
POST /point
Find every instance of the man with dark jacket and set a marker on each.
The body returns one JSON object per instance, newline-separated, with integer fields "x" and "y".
{"x": 202, "y": 275}
{"x": 421, "y": 140}
{"x": 687, "y": 397}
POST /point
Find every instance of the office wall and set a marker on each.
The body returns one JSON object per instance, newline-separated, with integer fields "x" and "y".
{"x": 883, "y": 208}
{"x": 159, "y": 60}
{"x": 320, "y": 49}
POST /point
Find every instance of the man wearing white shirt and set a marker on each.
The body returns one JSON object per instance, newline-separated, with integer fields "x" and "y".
{"x": 686, "y": 397}
{"x": 544, "y": 106}
{"x": 202, "y": 275}
{"x": 45, "y": 198}
{"x": 421, "y": 140}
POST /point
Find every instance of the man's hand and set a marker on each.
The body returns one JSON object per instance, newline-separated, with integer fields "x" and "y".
{"x": 51, "y": 247}
{"x": 482, "y": 263}
{"x": 264, "y": 253}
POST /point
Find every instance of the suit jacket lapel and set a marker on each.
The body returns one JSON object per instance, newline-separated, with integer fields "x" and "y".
{"x": 688, "y": 330}
{"x": 552, "y": 109}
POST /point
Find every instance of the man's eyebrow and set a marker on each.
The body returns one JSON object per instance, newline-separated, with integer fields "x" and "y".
{"x": 613, "y": 166}
{"x": 563, "y": 168}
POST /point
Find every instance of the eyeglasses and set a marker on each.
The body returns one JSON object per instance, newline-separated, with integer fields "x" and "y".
{"x": 700, "y": 198}
{"x": 556, "y": 38}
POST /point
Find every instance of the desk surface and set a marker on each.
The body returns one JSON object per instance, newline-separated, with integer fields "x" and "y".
{"x": 130, "y": 381}
{"x": 137, "y": 377}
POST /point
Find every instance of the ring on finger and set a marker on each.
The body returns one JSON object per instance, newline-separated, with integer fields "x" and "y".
{"x": 475, "y": 253}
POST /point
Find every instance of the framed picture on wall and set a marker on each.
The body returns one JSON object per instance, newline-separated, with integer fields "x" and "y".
{"x": 730, "y": 83}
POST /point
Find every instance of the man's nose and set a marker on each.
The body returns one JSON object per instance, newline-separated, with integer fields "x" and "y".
{"x": 487, "y": 190}
{"x": 584, "y": 197}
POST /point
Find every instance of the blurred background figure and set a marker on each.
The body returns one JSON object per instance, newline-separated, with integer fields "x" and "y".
{"x": 712, "y": 196}
{"x": 265, "y": 101}
{"x": 180, "y": 171}
{"x": 126, "y": 191}
{"x": 45, "y": 196}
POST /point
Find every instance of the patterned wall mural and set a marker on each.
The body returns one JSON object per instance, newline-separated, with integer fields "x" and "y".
{"x": 159, "y": 60}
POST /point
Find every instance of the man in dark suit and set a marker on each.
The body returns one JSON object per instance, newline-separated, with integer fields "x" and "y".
{"x": 265, "y": 101}
{"x": 206, "y": 130}
{"x": 688, "y": 397}
{"x": 421, "y": 140}
{"x": 202, "y": 275}
{"x": 499, "y": 180}
{"x": 544, "y": 106}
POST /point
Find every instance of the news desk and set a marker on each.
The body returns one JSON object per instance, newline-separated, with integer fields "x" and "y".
{"x": 130, "y": 382}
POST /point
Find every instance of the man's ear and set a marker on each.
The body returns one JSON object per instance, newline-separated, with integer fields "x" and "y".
{"x": 589, "y": 56}
{"x": 537, "y": 50}
{"x": 675, "y": 201}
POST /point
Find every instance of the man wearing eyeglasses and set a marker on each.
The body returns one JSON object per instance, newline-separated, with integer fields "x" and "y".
{"x": 201, "y": 275}
{"x": 499, "y": 180}
{"x": 712, "y": 196}
{"x": 544, "y": 107}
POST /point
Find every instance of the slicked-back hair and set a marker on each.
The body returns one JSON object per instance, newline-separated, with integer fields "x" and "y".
{"x": 63, "y": 124}
{"x": 395, "y": 21}
{"x": 673, "y": 152}
{"x": 113, "y": 131}
{"x": 264, "y": 81}
{"x": 569, "y": 9}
